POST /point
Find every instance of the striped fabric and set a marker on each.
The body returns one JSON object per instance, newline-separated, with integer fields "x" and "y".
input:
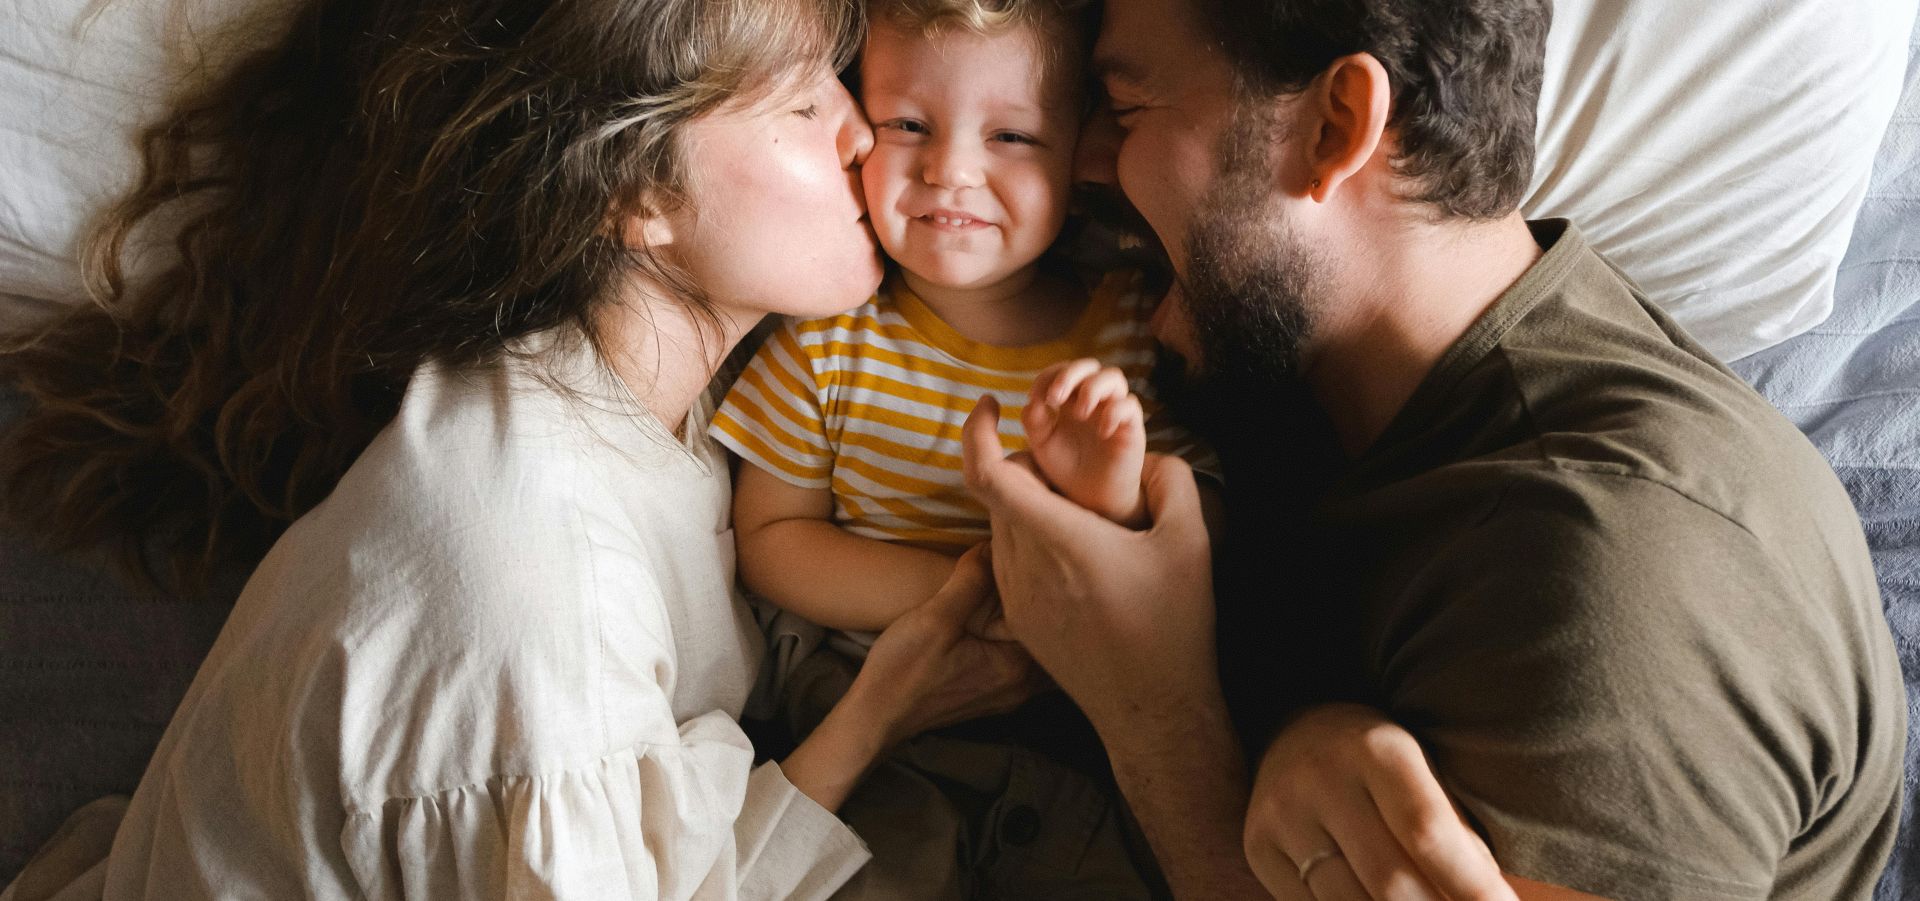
{"x": 869, "y": 403}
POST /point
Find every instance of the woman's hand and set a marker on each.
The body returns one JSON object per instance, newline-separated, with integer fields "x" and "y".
{"x": 946, "y": 661}
{"x": 943, "y": 662}
{"x": 1348, "y": 796}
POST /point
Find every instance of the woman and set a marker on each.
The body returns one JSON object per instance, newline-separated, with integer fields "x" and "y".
{"x": 489, "y": 253}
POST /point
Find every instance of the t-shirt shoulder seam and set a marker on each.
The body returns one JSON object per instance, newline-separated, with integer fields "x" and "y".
{"x": 1526, "y": 404}
{"x": 1597, "y": 470}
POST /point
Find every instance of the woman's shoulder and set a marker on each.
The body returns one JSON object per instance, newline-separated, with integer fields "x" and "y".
{"x": 488, "y": 505}
{"x": 488, "y": 465}
{"x": 484, "y": 606}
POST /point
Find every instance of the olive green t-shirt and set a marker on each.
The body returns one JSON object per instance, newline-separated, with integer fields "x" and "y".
{"x": 1625, "y": 605}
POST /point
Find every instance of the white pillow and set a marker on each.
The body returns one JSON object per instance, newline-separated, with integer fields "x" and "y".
{"x": 1718, "y": 150}
{"x": 78, "y": 78}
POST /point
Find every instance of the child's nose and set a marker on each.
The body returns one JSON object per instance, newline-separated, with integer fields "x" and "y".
{"x": 953, "y": 165}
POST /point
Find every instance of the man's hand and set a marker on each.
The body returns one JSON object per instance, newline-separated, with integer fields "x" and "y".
{"x": 1123, "y": 620}
{"x": 1089, "y": 438}
{"x": 1350, "y": 795}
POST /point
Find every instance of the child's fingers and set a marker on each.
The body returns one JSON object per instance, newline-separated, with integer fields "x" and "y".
{"x": 1108, "y": 384}
{"x": 1064, "y": 379}
{"x": 1038, "y": 419}
{"x": 1119, "y": 414}
{"x": 1043, "y": 383}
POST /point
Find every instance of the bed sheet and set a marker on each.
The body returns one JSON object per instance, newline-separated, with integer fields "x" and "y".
{"x": 1853, "y": 385}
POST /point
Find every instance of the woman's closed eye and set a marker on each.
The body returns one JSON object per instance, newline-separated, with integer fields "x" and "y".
{"x": 812, "y": 110}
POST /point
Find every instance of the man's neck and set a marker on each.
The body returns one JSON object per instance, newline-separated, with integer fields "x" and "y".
{"x": 1380, "y": 336}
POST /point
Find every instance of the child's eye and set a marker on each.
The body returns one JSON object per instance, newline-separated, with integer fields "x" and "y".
{"x": 812, "y": 110}
{"x": 910, "y": 126}
{"x": 1014, "y": 137}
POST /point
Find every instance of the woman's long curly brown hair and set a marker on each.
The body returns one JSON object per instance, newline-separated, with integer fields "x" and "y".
{"x": 396, "y": 180}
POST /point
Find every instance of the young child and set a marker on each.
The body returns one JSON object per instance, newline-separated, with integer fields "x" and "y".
{"x": 851, "y": 505}
{"x": 852, "y": 508}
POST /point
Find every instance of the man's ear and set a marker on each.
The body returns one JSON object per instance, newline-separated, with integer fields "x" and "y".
{"x": 1353, "y": 100}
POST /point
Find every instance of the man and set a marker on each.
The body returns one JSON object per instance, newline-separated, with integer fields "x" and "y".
{"x": 1477, "y": 481}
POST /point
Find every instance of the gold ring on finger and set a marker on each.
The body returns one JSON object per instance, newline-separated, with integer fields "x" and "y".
{"x": 1306, "y": 866}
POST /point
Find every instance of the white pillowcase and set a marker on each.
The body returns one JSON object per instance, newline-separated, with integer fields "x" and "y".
{"x": 1716, "y": 149}
{"x": 78, "y": 79}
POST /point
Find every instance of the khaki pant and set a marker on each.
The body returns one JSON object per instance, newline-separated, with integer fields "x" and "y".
{"x": 953, "y": 819}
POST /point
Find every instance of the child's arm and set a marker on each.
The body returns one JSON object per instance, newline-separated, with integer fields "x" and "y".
{"x": 792, "y": 554}
{"x": 1088, "y": 435}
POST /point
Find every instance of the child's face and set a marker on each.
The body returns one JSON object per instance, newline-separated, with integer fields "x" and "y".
{"x": 971, "y": 130}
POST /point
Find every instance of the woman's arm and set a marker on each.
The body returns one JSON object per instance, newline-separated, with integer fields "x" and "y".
{"x": 792, "y": 554}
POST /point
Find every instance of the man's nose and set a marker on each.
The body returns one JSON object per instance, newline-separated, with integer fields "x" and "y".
{"x": 1096, "y": 156}
{"x": 950, "y": 164}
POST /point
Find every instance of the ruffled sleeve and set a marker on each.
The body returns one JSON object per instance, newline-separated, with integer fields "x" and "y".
{"x": 536, "y": 706}
{"x": 690, "y": 820}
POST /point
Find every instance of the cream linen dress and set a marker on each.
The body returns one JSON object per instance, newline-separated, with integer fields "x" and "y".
{"x": 504, "y": 659}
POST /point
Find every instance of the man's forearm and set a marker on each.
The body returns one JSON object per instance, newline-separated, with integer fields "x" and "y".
{"x": 1182, "y": 772}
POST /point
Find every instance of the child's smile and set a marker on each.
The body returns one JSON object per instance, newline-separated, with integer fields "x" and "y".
{"x": 969, "y": 178}
{"x": 952, "y": 220}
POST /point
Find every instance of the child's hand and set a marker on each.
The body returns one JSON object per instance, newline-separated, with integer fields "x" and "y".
{"x": 1088, "y": 435}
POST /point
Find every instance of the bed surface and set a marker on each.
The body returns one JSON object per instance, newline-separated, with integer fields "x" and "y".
{"x": 1853, "y": 385}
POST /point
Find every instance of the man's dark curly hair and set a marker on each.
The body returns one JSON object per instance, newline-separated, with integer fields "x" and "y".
{"x": 1465, "y": 78}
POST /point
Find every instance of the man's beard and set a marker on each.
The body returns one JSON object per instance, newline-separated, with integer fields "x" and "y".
{"x": 1249, "y": 300}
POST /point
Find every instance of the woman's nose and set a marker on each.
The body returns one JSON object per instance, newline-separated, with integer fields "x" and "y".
{"x": 856, "y": 136}
{"x": 950, "y": 165}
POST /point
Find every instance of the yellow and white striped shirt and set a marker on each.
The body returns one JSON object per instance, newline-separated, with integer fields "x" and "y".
{"x": 870, "y": 403}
